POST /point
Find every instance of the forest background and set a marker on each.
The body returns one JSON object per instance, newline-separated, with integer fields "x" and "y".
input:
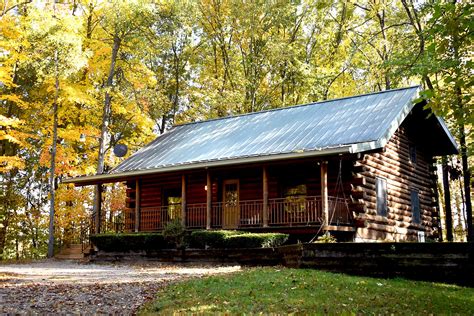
{"x": 78, "y": 77}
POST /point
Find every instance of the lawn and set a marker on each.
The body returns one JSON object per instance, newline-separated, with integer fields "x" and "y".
{"x": 282, "y": 290}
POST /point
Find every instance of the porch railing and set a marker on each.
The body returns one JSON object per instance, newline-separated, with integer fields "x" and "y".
{"x": 196, "y": 215}
{"x": 152, "y": 219}
{"x": 306, "y": 210}
{"x": 296, "y": 211}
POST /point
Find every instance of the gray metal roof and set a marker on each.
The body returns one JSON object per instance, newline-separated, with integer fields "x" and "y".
{"x": 311, "y": 127}
{"x": 347, "y": 125}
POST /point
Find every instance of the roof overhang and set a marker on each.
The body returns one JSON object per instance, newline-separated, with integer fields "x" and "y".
{"x": 454, "y": 144}
{"x": 123, "y": 176}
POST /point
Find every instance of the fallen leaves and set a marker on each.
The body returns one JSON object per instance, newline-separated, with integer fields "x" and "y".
{"x": 71, "y": 288}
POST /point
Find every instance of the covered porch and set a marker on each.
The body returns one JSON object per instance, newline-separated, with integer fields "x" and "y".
{"x": 299, "y": 194}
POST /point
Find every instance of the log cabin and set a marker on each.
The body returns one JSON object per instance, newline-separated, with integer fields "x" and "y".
{"x": 361, "y": 166}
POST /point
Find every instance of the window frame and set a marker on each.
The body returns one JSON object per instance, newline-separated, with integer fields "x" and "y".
{"x": 173, "y": 209}
{"x": 412, "y": 153}
{"x": 415, "y": 206}
{"x": 382, "y": 209}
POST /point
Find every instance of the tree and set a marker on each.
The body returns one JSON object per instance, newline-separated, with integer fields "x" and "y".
{"x": 57, "y": 35}
{"x": 121, "y": 24}
{"x": 450, "y": 40}
{"x": 12, "y": 139}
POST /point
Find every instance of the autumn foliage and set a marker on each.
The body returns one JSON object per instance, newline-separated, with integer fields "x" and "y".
{"x": 125, "y": 71}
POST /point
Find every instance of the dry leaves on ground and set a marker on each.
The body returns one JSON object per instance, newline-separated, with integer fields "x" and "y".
{"x": 49, "y": 287}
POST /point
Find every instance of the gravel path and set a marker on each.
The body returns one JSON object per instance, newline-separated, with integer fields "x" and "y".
{"x": 65, "y": 287}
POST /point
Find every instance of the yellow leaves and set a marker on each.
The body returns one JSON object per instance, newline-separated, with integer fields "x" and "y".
{"x": 8, "y": 163}
{"x": 9, "y": 138}
{"x": 72, "y": 206}
{"x": 10, "y": 131}
{"x": 76, "y": 93}
{"x": 6, "y": 77}
{"x": 13, "y": 98}
{"x": 115, "y": 196}
{"x": 9, "y": 122}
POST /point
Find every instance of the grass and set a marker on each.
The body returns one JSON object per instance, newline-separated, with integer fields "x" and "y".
{"x": 284, "y": 291}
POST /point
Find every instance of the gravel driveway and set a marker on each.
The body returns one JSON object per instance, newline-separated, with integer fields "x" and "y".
{"x": 52, "y": 287}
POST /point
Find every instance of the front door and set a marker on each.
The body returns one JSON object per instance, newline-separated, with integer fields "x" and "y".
{"x": 230, "y": 204}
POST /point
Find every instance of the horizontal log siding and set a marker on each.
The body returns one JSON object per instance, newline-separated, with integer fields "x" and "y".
{"x": 196, "y": 188}
{"x": 310, "y": 174}
{"x": 393, "y": 164}
{"x": 251, "y": 185}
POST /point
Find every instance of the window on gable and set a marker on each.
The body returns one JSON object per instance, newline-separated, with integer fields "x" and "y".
{"x": 381, "y": 188}
{"x": 412, "y": 153}
{"x": 415, "y": 207}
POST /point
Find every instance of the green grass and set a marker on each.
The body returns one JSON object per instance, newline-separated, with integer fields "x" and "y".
{"x": 283, "y": 291}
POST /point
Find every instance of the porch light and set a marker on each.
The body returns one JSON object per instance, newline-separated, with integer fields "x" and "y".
{"x": 205, "y": 188}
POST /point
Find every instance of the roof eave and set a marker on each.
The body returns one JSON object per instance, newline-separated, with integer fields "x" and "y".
{"x": 115, "y": 177}
{"x": 449, "y": 135}
{"x": 367, "y": 146}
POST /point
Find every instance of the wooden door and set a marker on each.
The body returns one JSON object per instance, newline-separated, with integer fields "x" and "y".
{"x": 230, "y": 204}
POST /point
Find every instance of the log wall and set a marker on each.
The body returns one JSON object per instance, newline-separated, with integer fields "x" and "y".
{"x": 402, "y": 176}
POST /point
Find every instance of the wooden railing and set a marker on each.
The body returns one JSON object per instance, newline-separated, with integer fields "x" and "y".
{"x": 297, "y": 211}
{"x": 196, "y": 215}
{"x": 152, "y": 219}
{"x": 306, "y": 211}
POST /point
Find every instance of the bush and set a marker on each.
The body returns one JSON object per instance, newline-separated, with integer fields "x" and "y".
{"x": 211, "y": 238}
{"x": 129, "y": 242}
{"x": 174, "y": 233}
{"x": 235, "y": 239}
{"x": 263, "y": 240}
{"x": 326, "y": 238}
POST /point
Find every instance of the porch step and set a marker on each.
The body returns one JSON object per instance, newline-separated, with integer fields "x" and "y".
{"x": 71, "y": 252}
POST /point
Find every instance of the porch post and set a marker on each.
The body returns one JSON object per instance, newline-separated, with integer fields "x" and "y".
{"x": 208, "y": 200}
{"x": 98, "y": 208}
{"x": 265, "y": 197}
{"x": 183, "y": 200}
{"x": 324, "y": 192}
{"x": 137, "y": 206}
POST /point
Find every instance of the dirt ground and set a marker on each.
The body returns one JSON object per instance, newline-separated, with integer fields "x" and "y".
{"x": 66, "y": 287}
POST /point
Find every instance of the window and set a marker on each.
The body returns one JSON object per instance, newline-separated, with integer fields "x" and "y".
{"x": 172, "y": 202}
{"x": 415, "y": 207}
{"x": 295, "y": 198}
{"x": 381, "y": 188}
{"x": 412, "y": 153}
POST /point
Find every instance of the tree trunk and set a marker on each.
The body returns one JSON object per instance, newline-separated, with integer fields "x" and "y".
{"x": 53, "y": 162}
{"x": 447, "y": 201}
{"x": 104, "y": 128}
{"x": 467, "y": 184}
{"x": 455, "y": 43}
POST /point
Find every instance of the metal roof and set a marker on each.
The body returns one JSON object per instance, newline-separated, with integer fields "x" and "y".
{"x": 346, "y": 125}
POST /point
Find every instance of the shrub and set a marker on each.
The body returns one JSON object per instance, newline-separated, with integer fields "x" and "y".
{"x": 210, "y": 238}
{"x": 129, "y": 242}
{"x": 262, "y": 240}
{"x": 174, "y": 233}
{"x": 326, "y": 238}
{"x": 235, "y": 239}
